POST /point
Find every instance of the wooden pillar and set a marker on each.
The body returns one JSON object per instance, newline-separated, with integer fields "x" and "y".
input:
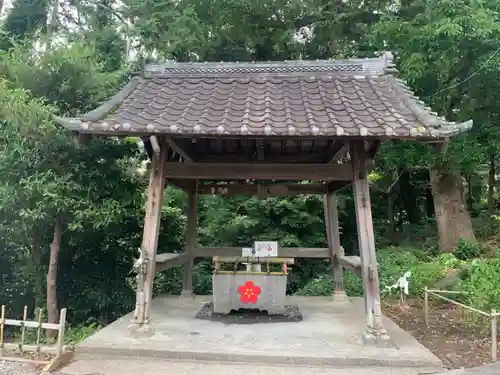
{"x": 366, "y": 242}
{"x": 333, "y": 238}
{"x": 145, "y": 265}
{"x": 192, "y": 221}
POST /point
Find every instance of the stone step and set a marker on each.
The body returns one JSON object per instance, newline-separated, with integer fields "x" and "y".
{"x": 103, "y": 365}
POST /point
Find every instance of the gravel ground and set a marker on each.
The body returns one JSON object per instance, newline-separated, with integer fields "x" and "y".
{"x": 13, "y": 368}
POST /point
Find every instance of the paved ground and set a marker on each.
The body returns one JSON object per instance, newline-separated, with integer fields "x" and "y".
{"x": 326, "y": 342}
{"x": 329, "y": 335}
{"x": 120, "y": 366}
{"x": 135, "y": 366}
{"x": 127, "y": 366}
{"x": 491, "y": 369}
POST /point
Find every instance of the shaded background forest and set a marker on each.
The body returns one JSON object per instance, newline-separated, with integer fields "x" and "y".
{"x": 81, "y": 205}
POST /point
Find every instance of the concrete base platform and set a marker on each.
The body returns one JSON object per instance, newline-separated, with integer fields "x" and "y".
{"x": 490, "y": 369}
{"x": 154, "y": 366}
{"x": 329, "y": 335}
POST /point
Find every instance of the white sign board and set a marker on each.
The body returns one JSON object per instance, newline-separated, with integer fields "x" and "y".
{"x": 247, "y": 252}
{"x": 266, "y": 249}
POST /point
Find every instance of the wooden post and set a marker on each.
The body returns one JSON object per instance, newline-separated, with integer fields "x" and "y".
{"x": 192, "y": 222}
{"x": 146, "y": 263}
{"x": 333, "y": 238}
{"x": 23, "y": 329}
{"x": 494, "y": 346}
{"x": 2, "y": 325}
{"x": 426, "y": 306}
{"x": 60, "y": 335}
{"x": 366, "y": 240}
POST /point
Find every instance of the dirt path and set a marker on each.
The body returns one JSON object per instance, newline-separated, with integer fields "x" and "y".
{"x": 449, "y": 336}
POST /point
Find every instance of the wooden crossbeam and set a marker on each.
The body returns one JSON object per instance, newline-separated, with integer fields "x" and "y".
{"x": 166, "y": 261}
{"x": 265, "y": 159}
{"x": 253, "y": 260}
{"x": 271, "y": 171}
{"x": 284, "y": 252}
{"x": 252, "y": 189}
{"x": 351, "y": 262}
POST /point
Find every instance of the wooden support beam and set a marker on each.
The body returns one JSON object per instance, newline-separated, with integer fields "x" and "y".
{"x": 240, "y": 259}
{"x": 147, "y": 260}
{"x": 335, "y": 186}
{"x": 192, "y": 222}
{"x": 374, "y": 149}
{"x": 338, "y": 149}
{"x": 269, "y": 158}
{"x": 352, "y": 263}
{"x": 181, "y": 184}
{"x": 235, "y": 171}
{"x": 182, "y": 152}
{"x": 154, "y": 144}
{"x": 166, "y": 261}
{"x": 366, "y": 241}
{"x": 283, "y": 252}
{"x": 333, "y": 237}
{"x": 252, "y": 189}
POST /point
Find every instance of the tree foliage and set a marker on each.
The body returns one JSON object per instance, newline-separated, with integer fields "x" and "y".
{"x": 446, "y": 50}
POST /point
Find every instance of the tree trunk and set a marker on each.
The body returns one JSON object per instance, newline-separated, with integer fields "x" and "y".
{"x": 36, "y": 256}
{"x": 452, "y": 217}
{"x": 409, "y": 198}
{"x": 491, "y": 185}
{"x": 470, "y": 197}
{"x": 391, "y": 230}
{"x": 52, "y": 25}
{"x": 429, "y": 203}
{"x": 52, "y": 311}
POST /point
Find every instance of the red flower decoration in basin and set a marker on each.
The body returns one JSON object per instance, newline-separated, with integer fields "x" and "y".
{"x": 249, "y": 293}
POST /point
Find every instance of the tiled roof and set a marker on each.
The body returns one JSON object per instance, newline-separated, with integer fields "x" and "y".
{"x": 358, "y": 97}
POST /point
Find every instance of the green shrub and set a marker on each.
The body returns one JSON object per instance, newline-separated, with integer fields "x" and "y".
{"x": 468, "y": 250}
{"x": 449, "y": 261}
{"x": 322, "y": 286}
{"x": 426, "y": 274}
{"x": 482, "y": 285}
{"x": 319, "y": 286}
{"x": 169, "y": 282}
{"x": 202, "y": 285}
{"x": 353, "y": 284}
{"x": 74, "y": 335}
{"x": 393, "y": 262}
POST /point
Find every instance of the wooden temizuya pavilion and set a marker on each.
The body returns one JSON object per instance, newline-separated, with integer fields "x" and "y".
{"x": 254, "y": 127}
